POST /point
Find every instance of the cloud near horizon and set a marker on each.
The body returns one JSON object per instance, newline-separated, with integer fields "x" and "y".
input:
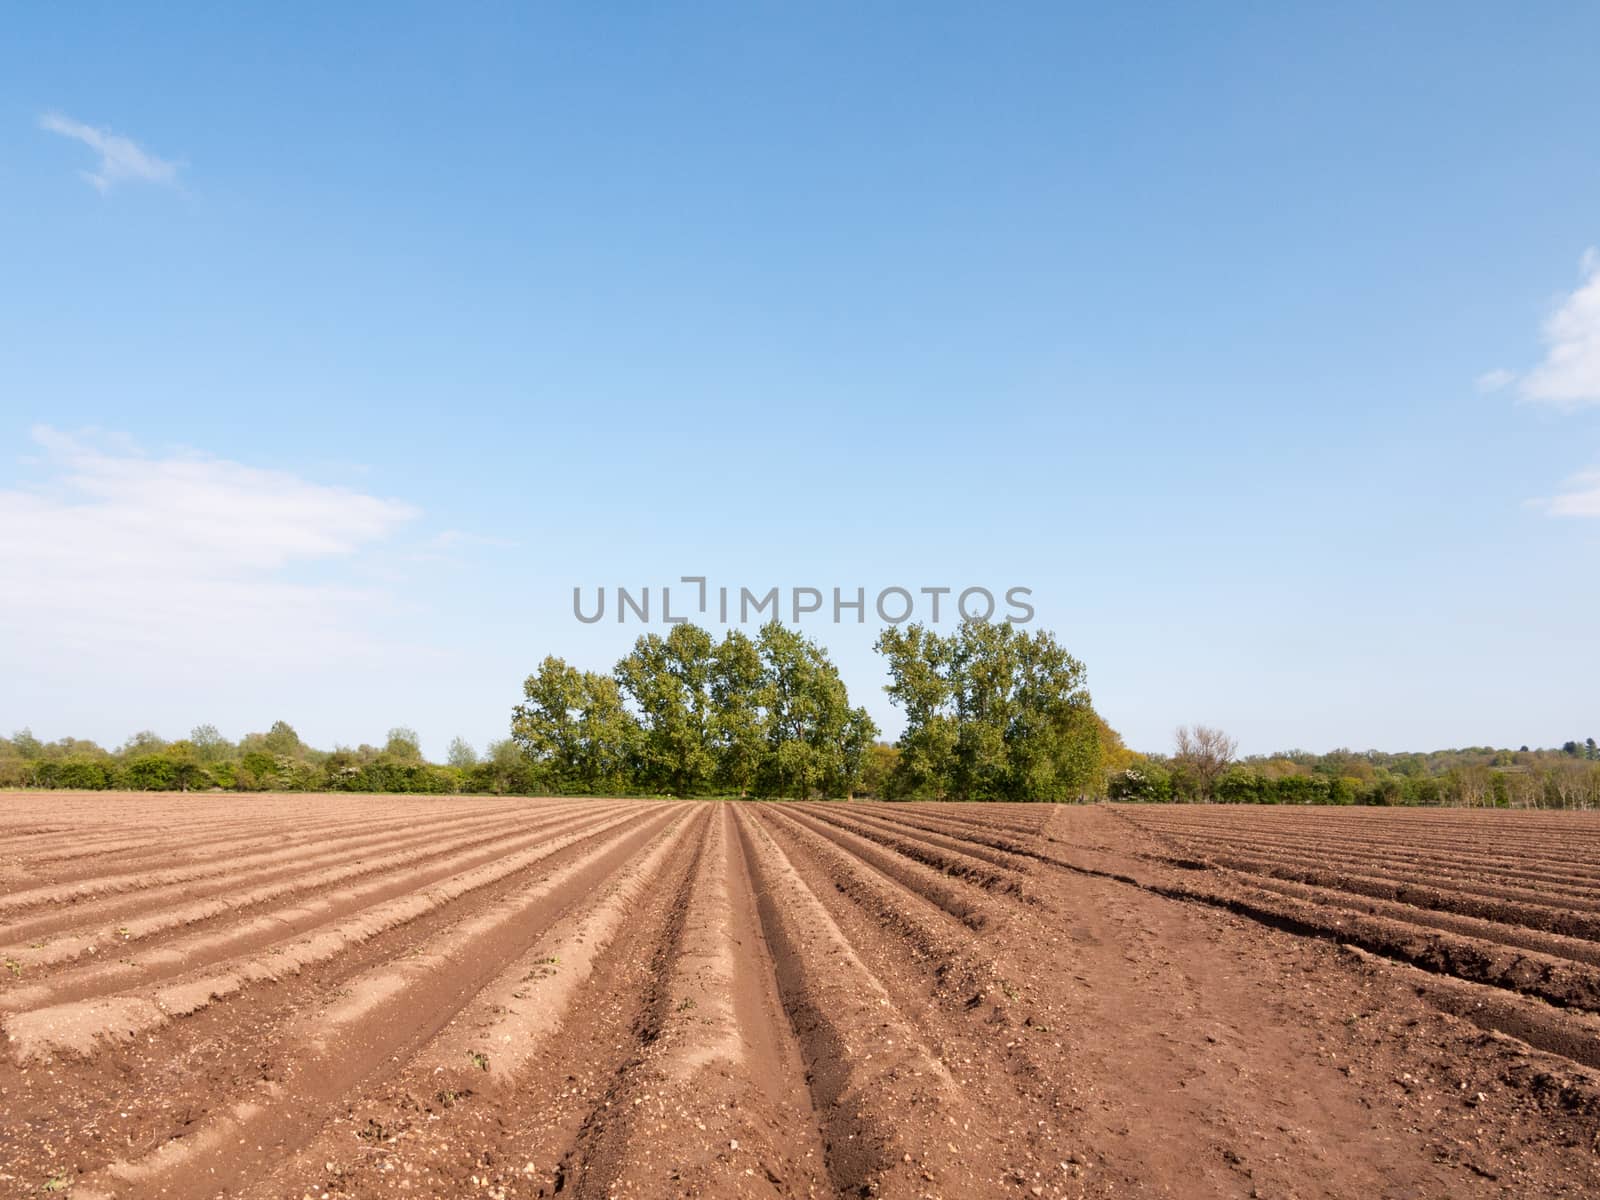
{"x": 1582, "y": 500}
{"x": 1569, "y": 376}
{"x": 117, "y": 557}
{"x": 1494, "y": 381}
{"x": 121, "y": 159}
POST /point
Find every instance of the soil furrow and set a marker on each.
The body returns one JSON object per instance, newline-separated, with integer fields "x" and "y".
{"x": 141, "y": 919}
{"x": 381, "y": 1015}
{"x": 77, "y": 1027}
{"x": 924, "y": 848}
{"x": 885, "y": 1099}
{"x": 866, "y": 818}
{"x": 341, "y": 997}
{"x": 723, "y": 1063}
{"x": 1454, "y": 870}
{"x": 57, "y": 895}
{"x": 960, "y": 903}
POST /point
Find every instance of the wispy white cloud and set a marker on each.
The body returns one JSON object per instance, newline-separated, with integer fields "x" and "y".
{"x": 1569, "y": 376}
{"x": 119, "y": 556}
{"x": 1496, "y": 380}
{"x": 1581, "y": 499}
{"x": 121, "y": 159}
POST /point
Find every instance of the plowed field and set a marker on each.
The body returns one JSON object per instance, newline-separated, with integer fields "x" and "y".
{"x": 361, "y": 996}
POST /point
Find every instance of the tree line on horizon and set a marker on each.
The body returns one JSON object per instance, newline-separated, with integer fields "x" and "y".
{"x": 274, "y": 761}
{"x": 992, "y": 712}
{"x": 1203, "y": 768}
{"x": 687, "y": 715}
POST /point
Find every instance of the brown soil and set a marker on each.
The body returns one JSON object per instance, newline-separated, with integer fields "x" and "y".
{"x": 353, "y": 996}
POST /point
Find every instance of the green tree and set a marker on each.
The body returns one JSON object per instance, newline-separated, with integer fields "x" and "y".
{"x": 403, "y": 745}
{"x": 878, "y": 768}
{"x": 922, "y": 685}
{"x": 1201, "y": 756}
{"x": 142, "y": 743}
{"x": 186, "y": 769}
{"x": 992, "y": 713}
{"x": 282, "y": 739}
{"x": 669, "y": 682}
{"x": 575, "y": 725}
{"x": 209, "y": 745}
{"x": 736, "y": 724}
{"x": 506, "y": 753}
{"x": 985, "y": 665}
{"x": 815, "y": 740}
{"x": 608, "y": 736}
{"x": 256, "y": 771}
{"x": 1055, "y": 741}
{"x": 461, "y": 755}
{"x": 545, "y": 725}
{"x": 148, "y": 773}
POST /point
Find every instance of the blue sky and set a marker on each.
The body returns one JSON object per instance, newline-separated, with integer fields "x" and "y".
{"x": 1262, "y": 342}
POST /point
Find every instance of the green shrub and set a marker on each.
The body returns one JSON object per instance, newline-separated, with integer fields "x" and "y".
{"x": 1302, "y": 789}
{"x": 256, "y": 771}
{"x": 84, "y": 774}
{"x": 149, "y": 773}
{"x": 1147, "y": 782}
{"x": 1344, "y": 790}
{"x": 1240, "y": 786}
{"x": 15, "y": 773}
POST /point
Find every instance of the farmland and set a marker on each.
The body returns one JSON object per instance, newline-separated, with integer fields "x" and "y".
{"x": 350, "y": 996}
